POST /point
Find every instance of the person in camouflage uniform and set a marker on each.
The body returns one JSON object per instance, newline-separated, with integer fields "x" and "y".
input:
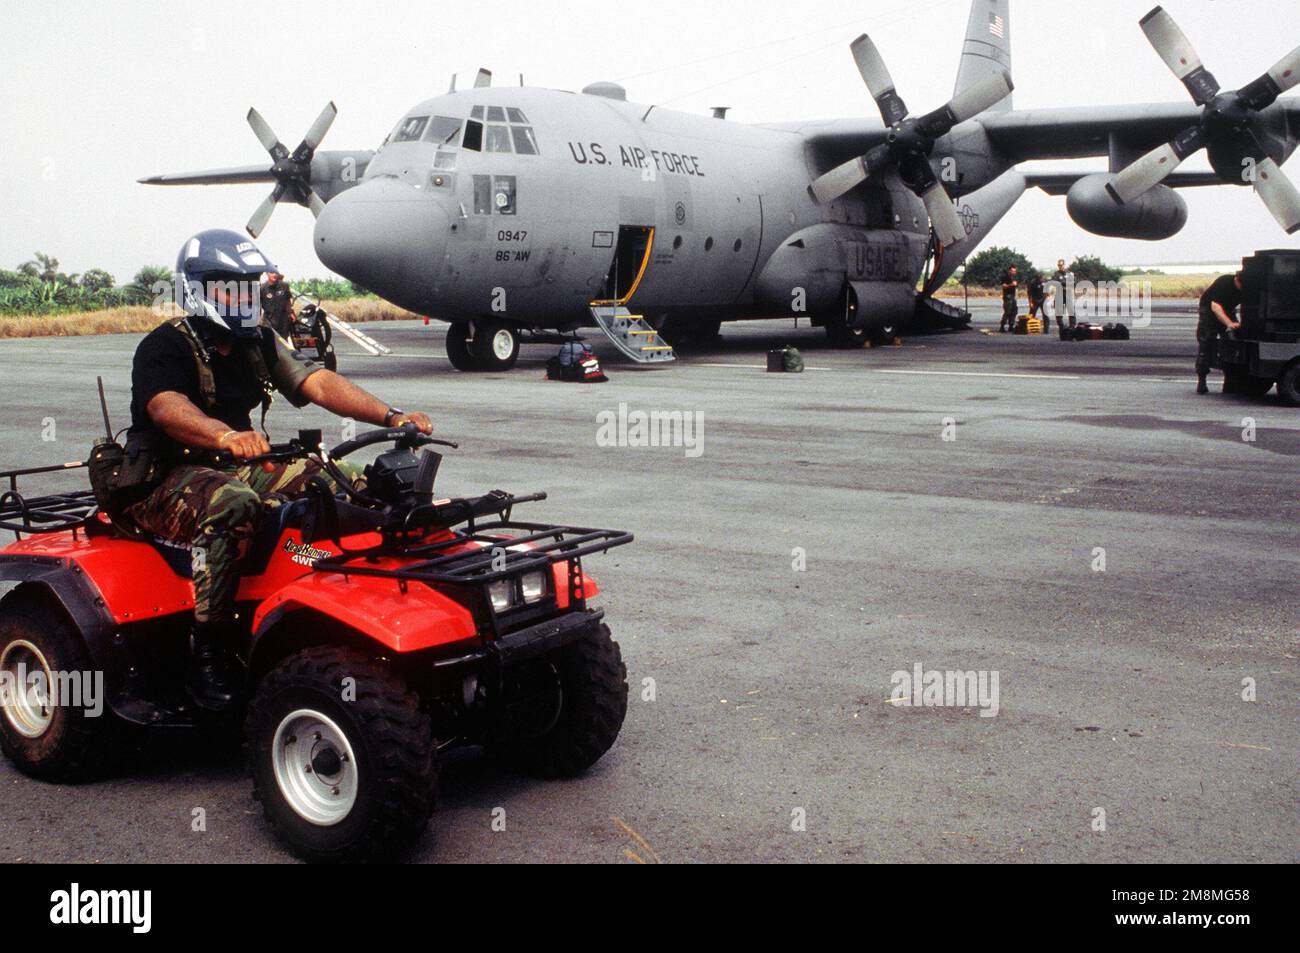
{"x": 217, "y": 511}
{"x": 194, "y": 382}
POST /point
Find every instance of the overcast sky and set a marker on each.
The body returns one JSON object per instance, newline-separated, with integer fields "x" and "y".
{"x": 96, "y": 94}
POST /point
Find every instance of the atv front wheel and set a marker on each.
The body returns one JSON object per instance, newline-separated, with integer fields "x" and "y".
{"x": 41, "y": 654}
{"x": 342, "y": 758}
{"x": 591, "y": 694}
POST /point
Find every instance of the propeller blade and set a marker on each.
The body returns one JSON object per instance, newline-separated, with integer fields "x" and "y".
{"x": 876, "y": 75}
{"x": 947, "y": 223}
{"x": 1154, "y": 167}
{"x": 1279, "y": 194}
{"x": 483, "y": 79}
{"x": 840, "y": 180}
{"x": 1179, "y": 55}
{"x": 844, "y": 178}
{"x": 262, "y": 129}
{"x": 1264, "y": 91}
{"x": 315, "y": 204}
{"x": 321, "y": 126}
{"x": 967, "y": 105}
{"x": 263, "y": 214}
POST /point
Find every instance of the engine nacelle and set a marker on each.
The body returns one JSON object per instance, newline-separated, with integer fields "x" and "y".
{"x": 1158, "y": 215}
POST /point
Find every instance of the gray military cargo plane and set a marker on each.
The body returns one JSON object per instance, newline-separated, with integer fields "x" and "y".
{"x": 522, "y": 213}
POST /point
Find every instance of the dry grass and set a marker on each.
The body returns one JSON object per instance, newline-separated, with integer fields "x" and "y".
{"x": 141, "y": 319}
{"x": 1162, "y": 286}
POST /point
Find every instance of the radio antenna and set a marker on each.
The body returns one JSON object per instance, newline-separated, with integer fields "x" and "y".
{"x": 103, "y": 406}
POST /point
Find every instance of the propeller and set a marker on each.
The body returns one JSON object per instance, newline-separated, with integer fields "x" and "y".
{"x": 911, "y": 140}
{"x": 1228, "y": 129}
{"x": 292, "y": 170}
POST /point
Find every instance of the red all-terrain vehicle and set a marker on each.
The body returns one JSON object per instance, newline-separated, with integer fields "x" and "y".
{"x": 379, "y": 628}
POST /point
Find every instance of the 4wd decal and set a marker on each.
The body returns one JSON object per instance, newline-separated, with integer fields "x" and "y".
{"x": 303, "y": 554}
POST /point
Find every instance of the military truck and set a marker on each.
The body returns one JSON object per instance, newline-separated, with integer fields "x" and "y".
{"x": 1265, "y": 350}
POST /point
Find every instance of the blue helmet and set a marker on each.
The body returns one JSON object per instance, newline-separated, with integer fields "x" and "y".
{"x": 217, "y": 276}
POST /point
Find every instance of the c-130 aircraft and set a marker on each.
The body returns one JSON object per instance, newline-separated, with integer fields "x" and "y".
{"x": 523, "y": 213}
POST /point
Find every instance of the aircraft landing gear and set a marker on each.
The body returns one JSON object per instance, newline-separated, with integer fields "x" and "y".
{"x": 685, "y": 333}
{"x": 841, "y": 333}
{"x": 492, "y": 346}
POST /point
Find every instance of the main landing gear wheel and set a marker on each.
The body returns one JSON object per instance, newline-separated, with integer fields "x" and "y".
{"x": 1288, "y": 385}
{"x": 495, "y": 347}
{"x": 342, "y": 757}
{"x": 47, "y": 737}
{"x": 458, "y": 347}
{"x": 840, "y": 331}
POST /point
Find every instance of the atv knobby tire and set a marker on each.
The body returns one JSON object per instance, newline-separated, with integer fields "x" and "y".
{"x": 394, "y": 754}
{"x": 593, "y": 703}
{"x": 74, "y": 744}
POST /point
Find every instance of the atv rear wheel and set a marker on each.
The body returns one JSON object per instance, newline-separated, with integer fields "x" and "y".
{"x": 591, "y": 683}
{"x": 346, "y": 770}
{"x": 43, "y": 738}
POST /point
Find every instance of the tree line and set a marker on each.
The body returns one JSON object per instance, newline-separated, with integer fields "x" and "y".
{"x": 39, "y": 286}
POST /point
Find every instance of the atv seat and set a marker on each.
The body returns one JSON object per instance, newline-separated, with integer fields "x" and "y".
{"x": 289, "y": 515}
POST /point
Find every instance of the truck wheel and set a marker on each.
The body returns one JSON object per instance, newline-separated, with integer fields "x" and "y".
{"x": 43, "y": 738}
{"x": 495, "y": 346}
{"x": 591, "y": 692}
{"x": 1288, "y": 384}
{"x": 458, "y": 347}
{"x": 346, "y": 770}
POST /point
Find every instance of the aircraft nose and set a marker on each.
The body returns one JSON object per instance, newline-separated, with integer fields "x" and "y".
{"x": 385, "y": 236}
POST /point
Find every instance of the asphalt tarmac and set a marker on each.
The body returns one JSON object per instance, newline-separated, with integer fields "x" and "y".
{"x": 948, "y": 500}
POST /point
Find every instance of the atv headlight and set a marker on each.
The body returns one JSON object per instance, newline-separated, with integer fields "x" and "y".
{"x": 533, "y": 585}
{"x": 502, "y": 593}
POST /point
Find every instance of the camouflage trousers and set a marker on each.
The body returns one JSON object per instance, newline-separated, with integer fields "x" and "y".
{"x": 216, "y": 512}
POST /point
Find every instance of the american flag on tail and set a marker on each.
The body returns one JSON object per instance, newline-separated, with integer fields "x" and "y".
{"x": 997, "y": 26}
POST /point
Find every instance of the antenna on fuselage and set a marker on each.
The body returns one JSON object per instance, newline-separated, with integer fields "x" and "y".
{"x": 453, "y": 83}
{"x": 483, "y": 79}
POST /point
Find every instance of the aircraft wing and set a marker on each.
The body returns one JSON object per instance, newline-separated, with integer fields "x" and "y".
{"x": 239, "y": 175}
{"x": 1085, "y": 131}
{"x": 1058, "y": 183}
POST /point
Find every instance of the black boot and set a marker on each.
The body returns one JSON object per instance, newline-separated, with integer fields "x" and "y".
{"x": 214, "y": 676}
{"x": 1201, "y": 386}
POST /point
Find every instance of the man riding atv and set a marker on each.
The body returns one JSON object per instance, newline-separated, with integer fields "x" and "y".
{"x": 194, "y": 382}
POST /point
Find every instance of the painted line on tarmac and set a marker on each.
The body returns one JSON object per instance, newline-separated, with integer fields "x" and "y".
{"x": 1031, "y": 377}
{"x": 759, "y": 367}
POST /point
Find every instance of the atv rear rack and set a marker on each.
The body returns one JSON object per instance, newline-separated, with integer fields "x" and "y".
{"x": 52, "y": 513}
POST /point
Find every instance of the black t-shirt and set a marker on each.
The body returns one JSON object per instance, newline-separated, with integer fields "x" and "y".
{"x": 164, "y": 361}
{"x": 1225, "y": 292}
{"x": 1010, "y": 286}
{"x": 1036, "y": 290}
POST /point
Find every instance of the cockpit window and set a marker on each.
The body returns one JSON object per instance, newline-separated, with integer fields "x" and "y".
{"x": 498, "y": 138}
{"x": 496, "y": 114}
{"x": 476, "y": 112}
{"x": 473, "y": 136}
{"x": 410, "y": 128}
{"x": 442, "y": 130}
{"x": 516, "y": 116}
{"x": 525, "y": 144}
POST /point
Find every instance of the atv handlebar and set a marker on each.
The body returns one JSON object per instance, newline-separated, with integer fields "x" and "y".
{"x": 407, "y": 436}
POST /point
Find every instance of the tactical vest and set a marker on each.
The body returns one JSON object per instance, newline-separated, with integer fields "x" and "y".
{"x": 203, "y": 363}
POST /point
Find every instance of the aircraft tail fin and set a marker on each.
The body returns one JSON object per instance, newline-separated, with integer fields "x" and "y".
{"x": 987, "y": 50}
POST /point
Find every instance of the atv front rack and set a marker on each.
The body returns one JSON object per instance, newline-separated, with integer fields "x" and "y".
{"x": 505, "y": 548}
{"x": 52, "y": 513}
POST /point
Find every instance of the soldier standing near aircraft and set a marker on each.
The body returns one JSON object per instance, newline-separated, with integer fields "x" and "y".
{"x": 1010, "y": 304}
{"x": 1218, "y": 313}
{"x": 1037, "y": 298}
{"x": 1064, "y": 280}
{"x": 277, "y": 304}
